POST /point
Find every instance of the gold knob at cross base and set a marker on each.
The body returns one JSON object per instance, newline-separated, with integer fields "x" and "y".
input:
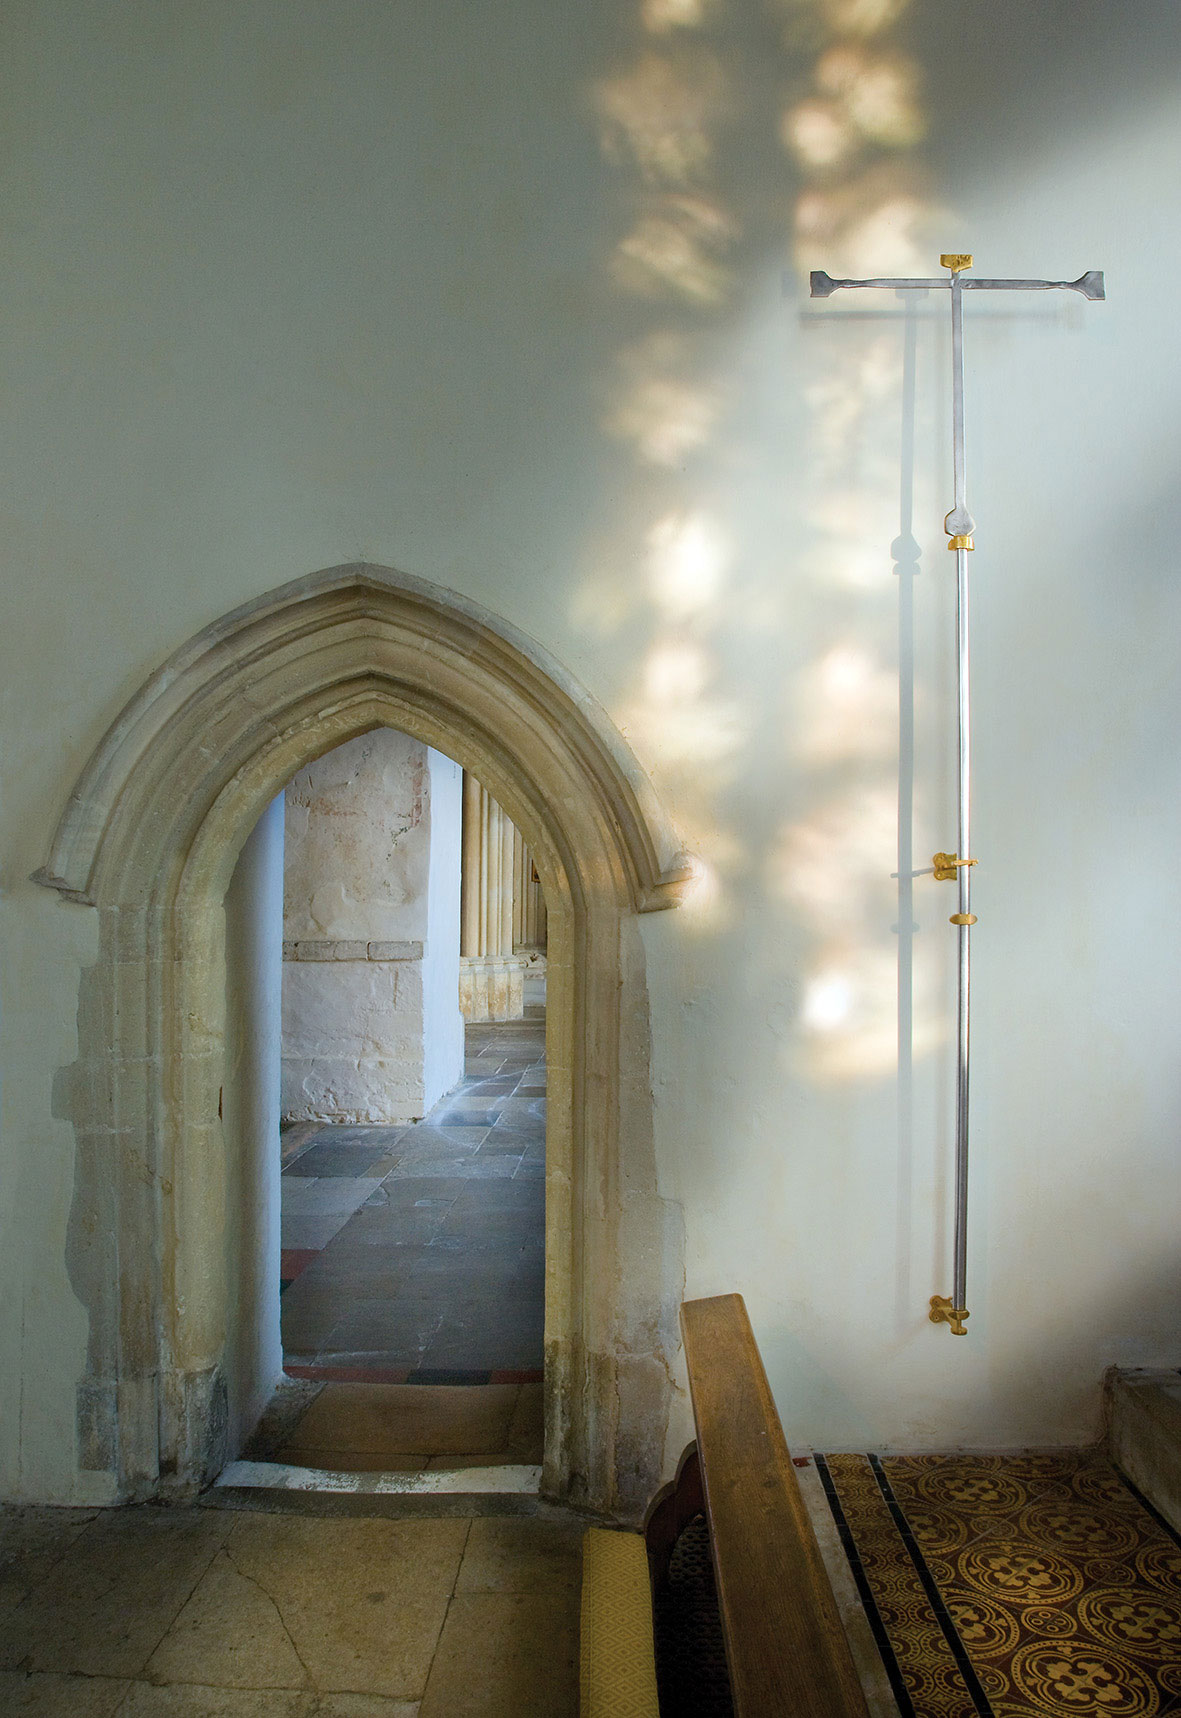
{"x": 955, "y": 261}
{"x": 962, "y": 919}
{"x": 942, "y": 1312}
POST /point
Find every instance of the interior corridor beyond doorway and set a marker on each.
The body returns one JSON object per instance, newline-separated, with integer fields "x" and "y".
{"x": 417, "y": 1253}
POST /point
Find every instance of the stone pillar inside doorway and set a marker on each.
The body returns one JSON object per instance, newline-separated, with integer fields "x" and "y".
{"x": 371, "y": 1025}
{"x": 491, "y": 975}
{"x": 529, "y": 921}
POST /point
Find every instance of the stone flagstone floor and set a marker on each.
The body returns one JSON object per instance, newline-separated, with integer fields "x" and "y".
{"x": 208, "y": 1613}
{"x": 417, "y": 1254}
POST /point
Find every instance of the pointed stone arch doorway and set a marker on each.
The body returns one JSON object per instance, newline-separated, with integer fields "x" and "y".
{"x": 150, "y": 837}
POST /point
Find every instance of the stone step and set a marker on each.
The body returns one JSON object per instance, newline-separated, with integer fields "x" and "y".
{"x": 1143, "y": 1415}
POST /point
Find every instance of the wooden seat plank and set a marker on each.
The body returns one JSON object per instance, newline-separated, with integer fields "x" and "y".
{"x": 785, "y": 1645}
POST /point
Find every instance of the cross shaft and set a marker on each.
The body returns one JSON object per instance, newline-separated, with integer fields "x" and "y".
{"x": 960, "y": 528}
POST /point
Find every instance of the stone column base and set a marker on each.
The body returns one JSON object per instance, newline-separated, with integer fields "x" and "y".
{"x": 492, "y": 987}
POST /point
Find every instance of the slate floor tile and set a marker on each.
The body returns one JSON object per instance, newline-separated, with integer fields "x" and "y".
{"x": 310, "y": 1234}
{"x": 401, "y": 1330}
{"x": 449, "y": 1141}
{"x": 499, "y": 1196}
{"x": 518, "y": 1110}
{"x": 490, "y": 1165}
{"x": 504, "y": 1144}
{"x": 528, "y": 1129}
{"x": 482, "y": 1115}
{"x": 398, "y": 1225}
{"x": 328, "y": 1158}
{"x": 416, "y": 1163}
{"x": 511, "y": 1348}
{"x": 324, "y": 1196}
{"x": 415, "y": 1190}
{"x": 398, "y": 1229}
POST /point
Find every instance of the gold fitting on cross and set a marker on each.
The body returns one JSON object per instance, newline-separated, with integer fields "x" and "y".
{"x": 943, "y": 1312}
{"x": 955, "y": 261}
{"x": 946, "y": 865}
{"x": 960, "y": 543}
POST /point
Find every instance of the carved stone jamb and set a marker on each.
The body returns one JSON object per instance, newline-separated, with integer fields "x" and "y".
{"x": 150, "y": 836}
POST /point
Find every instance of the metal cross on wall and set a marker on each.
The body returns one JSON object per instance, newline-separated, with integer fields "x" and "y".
{"x": 956, "y": 867}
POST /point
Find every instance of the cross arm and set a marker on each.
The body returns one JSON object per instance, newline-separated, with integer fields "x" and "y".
{"x": 823, "y": 285}
{"x": 1090, "y": 284}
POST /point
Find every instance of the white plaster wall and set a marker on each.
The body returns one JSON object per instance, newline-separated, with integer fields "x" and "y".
{"x": 442, "y": 1022}
{"x": 254, "y": 954}
{"x": 288, "y": 285}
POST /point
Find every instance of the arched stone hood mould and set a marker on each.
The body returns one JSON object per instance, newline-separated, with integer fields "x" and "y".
{"x": 216, "y": 666}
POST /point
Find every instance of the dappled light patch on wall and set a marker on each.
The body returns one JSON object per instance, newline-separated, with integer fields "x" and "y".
{"x": 677, "y": 715}
{"x": 661, "y": 16}
{"x": 665, "y": 115}
{"x": 677, "y": 250}
{"x": 848, "y": 1016}
{"x": 835, "y": 864}
{"x": 688, "y": 558}
{"x": 834, "y": 870}
{"x": 846, "y": 708}
{"x": 659, "y": 405}
{"x": 705, "y": 603}
{"x": 661, "y": 114}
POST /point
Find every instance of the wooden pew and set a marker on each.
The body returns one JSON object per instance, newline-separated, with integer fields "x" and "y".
{"x": 785, "y": 1645}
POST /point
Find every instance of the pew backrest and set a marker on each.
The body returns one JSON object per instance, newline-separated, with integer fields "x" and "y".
{"x": 786, "y": 1649}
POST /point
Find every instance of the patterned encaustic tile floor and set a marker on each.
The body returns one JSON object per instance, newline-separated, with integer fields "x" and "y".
{"x": 417, "y": 1254}
{"x": 1014, "y": 1586}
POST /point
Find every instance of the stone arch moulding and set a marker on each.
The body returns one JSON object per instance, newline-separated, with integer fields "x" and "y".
{"x": 150, "y": 837}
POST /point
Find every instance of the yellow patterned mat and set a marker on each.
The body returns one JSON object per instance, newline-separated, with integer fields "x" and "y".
{"x": 1013, "y": 1586}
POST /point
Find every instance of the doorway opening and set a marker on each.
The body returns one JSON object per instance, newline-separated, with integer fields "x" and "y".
{"x": 412, "y": 1108}
{"x": 150, "y": 839}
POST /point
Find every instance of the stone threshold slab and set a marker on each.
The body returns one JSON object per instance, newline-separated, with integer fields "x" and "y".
{"x": 518, "y": 1481}
{"x": 396, "y": 1506}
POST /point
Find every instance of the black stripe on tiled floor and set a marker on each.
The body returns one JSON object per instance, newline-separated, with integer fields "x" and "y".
{"x": 865, "y": 1593}
{"x": 1063, "y": 1588}
{"x": 934, "y": 1597}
